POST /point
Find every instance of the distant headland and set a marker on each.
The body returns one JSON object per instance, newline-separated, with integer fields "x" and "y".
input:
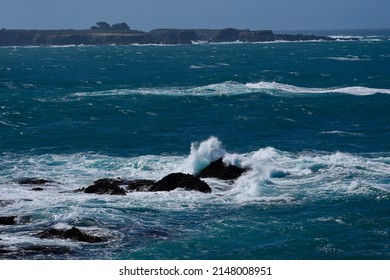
{"x": 121, "y": 34}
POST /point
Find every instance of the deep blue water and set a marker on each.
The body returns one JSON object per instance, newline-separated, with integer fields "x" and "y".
{"x": 310, "y": 119}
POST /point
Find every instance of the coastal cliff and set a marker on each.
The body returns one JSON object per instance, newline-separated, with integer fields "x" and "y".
{"x": 128, "y": 36}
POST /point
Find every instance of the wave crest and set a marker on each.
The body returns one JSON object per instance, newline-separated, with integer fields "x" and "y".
{"x": 230, "y": 88}
{"x": 274, "y": 176}
{"x": 353, "y": 90}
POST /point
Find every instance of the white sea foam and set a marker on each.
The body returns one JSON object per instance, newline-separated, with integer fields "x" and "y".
{"x": 349, "y": 58}
{"x": 202, "y": 66}
{"x": 353, "y": 90}
{"x": 342, "y": 133}
{"x": 273, "y": 176}
{"x": 8, "y": 124}
{"x": 234, "y": 88}
{"x": 226, "y": 88}
{"x": 374, "y": 38}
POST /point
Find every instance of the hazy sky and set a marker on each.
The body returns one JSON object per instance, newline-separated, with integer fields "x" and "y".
{"x": 149, "y": 14}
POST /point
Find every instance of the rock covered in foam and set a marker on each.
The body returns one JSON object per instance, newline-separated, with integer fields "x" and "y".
{"x": 219, "y": 169}
{"x": 73, "y": 234}
{"x": 139, "y": 185}
{"x": 180, "y": 180}
{"x": 34, "y": 181}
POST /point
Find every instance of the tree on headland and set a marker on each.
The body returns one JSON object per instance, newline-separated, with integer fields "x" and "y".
{"x": 120, "y": 26}
{"x": 101, "y": 25}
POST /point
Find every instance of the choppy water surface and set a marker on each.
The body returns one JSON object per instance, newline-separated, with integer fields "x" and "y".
{"x": 310, "y": 120}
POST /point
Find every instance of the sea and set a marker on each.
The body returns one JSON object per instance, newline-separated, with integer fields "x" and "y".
{"x": 309, "y": 120}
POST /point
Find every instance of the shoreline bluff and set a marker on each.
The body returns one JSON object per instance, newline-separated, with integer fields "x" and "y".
{"x": 24, "y": 37}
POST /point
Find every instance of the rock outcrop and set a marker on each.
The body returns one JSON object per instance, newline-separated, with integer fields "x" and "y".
{"x": 34, "y": 181}
{"x": 180, "y": 180}
{"x": 139, "y": 185}
{"x": 106, "y": 186}
{"x": 7, "y": 220}
{"x": 72, "y": 234}
{"x": 219, "y": 169}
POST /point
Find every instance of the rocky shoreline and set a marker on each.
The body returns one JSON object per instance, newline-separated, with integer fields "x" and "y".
{"x": 110, "y": 186}
{"x": 158, "y": 36}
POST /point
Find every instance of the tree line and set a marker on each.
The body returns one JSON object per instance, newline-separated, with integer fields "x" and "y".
{"x": 101, "y": 25}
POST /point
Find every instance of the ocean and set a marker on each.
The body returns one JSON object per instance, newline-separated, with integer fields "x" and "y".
{"x": 310, "y": 120}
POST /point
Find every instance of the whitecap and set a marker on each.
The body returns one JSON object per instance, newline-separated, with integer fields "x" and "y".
{"x": 8, "y": 124}
{"x": 348, "y": 58}
{"x": 273, "y": 176}
{"x": 342, "y": 133}
{"x": 202, "y": 66}
{"x": 202, "y": 154}
{"x": 353, "y": 90}
{"x": 232, "y": 88}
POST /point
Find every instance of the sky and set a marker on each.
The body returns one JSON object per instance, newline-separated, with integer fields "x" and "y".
{"x": 150, "y": 14}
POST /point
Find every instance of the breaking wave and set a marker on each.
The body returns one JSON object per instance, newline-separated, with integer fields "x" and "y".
{"x": 235, "y": 88}
{"x": 272, "y": 176}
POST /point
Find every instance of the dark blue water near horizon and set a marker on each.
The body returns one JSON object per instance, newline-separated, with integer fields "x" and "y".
{"x": 310, "y": 120}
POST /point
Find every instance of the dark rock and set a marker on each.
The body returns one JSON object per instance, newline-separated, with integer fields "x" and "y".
{"x": 180, "y": 180}
{"x": 107, "y": 186}
{"x": 219, "y": 169}
{"x": 75, "y": 191}
{"x": 9, "y": 220}
{"x": 139, "y": 185}
{"x": 37, "y": 189}
{"x": 34, "y": 181}
{"x": 73, "y": 234}
{"x": 4, "y": 251}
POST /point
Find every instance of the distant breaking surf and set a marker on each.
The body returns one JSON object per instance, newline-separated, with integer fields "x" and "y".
{"x": 235, "y": 88}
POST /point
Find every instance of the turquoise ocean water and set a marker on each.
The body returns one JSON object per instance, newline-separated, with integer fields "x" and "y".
{"x": 310, "y": 119}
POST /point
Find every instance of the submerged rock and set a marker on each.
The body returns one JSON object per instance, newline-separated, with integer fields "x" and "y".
{"x": 43, "y": 249}
{"x": 4, "y": 203}
{"x": 8, "y": 220}
{"x": 219, "y": 169}
{"x": 106, "y": 186}
{"x": 180, "y": 180}
{"x": 34, "y": 181}
{"x": 139, "y": 185}
{"x": 73, "y": 234}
